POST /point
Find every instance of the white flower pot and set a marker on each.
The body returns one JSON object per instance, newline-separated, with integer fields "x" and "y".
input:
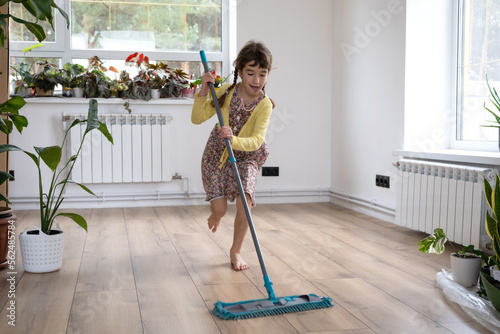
{"x": 41, "y": 253}
{"x": 155, "y": 93}
{"x": 78, "y": 92}
{"x": 465, "y": 270}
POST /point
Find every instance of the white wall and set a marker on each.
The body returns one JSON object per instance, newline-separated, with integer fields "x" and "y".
{"x": 368, "y": 96}
{"x": 337, "y": 118}
{"x": 298, "y": 34}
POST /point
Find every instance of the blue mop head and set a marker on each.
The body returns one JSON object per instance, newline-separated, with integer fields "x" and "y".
{"x": 266, "y": 307}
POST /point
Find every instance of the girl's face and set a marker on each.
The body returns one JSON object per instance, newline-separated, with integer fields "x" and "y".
{"x": 253, "y": 78}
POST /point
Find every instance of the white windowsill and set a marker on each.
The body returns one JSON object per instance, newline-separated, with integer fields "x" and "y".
{"x": 458, "y": 156}
{"x": 113, "y": 101}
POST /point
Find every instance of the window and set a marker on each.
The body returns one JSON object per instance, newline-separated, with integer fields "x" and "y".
{"x": 171, "y": 31}
{"x": 478, "y": 57}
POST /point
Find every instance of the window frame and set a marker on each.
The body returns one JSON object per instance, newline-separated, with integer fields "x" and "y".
{"x": 62, "y": 47}
{"x": 455, "y": 143}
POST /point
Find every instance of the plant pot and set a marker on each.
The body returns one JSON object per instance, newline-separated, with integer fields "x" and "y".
{"x": 78, "y": 92}
{"x": 41, "y": 92}
{"x": 189, "y": 93}
{"x": 492, "y": 291}
{"x": 465, "y": 270}
{"x": 155, "y": 93}
{"x": 42, "y": 253}
{"x": 67, "y": 92}
{"x": 6, "y": 219}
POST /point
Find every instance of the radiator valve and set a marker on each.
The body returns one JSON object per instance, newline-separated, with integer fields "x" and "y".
{"x": 177, "y": 176}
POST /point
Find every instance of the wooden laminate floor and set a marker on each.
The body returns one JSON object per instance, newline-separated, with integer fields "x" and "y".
{"x": 159, "y": 270}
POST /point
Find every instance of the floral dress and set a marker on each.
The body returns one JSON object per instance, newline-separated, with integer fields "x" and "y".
{"x": 220, "y": 182}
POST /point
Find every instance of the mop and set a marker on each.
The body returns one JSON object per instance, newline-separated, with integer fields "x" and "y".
{"x": 272, "y": 305}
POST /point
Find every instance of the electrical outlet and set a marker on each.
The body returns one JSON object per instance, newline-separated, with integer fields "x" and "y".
{"x": 382, "y": 181}
{"x": 11, "y": 172}
{"x": 270, "y": 171}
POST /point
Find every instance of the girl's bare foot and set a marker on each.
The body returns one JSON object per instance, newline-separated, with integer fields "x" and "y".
{"x": 238, "y": 263}
{"x": 213, "y": 223}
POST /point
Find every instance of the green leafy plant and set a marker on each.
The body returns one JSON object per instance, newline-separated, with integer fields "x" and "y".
{"x": 61, "y": 170}
{"x": 495, "y": 99}
{"x": 23, "y": 71}
{"x": 435, "y": 244}
{"x": 492, "y": 224}
{"x": 46, "y": 79}
{"x": 41, "y": 10}
{"x": 65, "y": 76}
{"x": 9, "y": 110}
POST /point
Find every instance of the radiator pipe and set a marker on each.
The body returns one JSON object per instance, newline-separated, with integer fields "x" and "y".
{"x": 363, "y": 201}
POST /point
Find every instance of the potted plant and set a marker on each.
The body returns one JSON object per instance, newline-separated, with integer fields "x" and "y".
{"x": 65, "y": 76}
{"x": 45, "y": 80}
{"x": 156, "y": 83}
{"x": 78, "y": 85}
{"x": 23, "y": 76}
{"x": 175, "y": 84}
{"x": 465, "y": 263}
{"x": 491, "y": 282}
{"x": 38, "y": 258}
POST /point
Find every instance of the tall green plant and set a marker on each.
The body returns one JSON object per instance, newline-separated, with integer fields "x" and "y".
{"x": 10, "y": 119}
{"x": 51, "y": 201}
{"x": 42, "y": 10}
{"x": 492, "y": 224}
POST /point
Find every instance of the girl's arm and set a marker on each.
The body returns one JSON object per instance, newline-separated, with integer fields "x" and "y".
{"x": 202, "y": 109}
{"x": 254, "y": 140}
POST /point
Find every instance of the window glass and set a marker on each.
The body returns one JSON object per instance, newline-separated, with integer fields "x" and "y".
{"x": 154, "y": 25}
{"x": 19, "y": 33}
{"x": 479, "y": 56}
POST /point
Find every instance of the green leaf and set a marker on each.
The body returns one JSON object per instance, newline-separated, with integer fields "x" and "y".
{"x": 104, "y": 130}
{"x": 50, "y": 155}
{"x": 82, "y": 186}
{"x": 434, "y": 243}
{"x": 4, "y": 199}
{"x": 36, "y": 29}
{"x": 487, "y": 191}
{"x": 495, "y": 198}
{"x": 77, "y": 218}
{"x": 491, "y": 226}
{"x": 4, "y": 176}
{"x": 62, "y": 12}
{"x": 92, "y": 120}
{"x": 20, "y": 122}
{"x": 14, "y": 103}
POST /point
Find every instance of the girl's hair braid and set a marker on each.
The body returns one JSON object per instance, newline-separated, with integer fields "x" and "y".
{"x": 222, "y": 98}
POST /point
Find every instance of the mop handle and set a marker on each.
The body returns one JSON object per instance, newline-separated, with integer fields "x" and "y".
{"x": 238, "y": 181}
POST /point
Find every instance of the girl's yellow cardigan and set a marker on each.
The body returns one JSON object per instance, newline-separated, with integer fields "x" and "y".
{"x": 252, "y": 134}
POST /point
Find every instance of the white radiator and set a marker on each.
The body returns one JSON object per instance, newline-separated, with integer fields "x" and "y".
{"x": 451, "y": 197}
{"x": 141, "y": 151}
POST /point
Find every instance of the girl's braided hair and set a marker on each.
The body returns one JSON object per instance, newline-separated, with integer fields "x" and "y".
{"x": 255, "y": 53}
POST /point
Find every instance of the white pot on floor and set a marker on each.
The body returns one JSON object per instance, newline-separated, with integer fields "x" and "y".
{"x": 466, "y": 270}
{"x": 41, "y": 253}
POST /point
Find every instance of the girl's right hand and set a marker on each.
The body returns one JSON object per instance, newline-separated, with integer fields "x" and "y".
{"x": 205, "y": 79}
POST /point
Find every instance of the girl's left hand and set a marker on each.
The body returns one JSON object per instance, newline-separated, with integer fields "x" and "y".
{"x": 226, "y": 132}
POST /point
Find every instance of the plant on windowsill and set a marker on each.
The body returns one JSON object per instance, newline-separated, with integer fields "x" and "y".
{"x": 465, "y": 263}
{"x": 66, "y": 75}
{"x": 175, "y": 84}
{"x": 45, "y": 80}
{"x": 51, "y": 199}
{"x": 23, "y": 76}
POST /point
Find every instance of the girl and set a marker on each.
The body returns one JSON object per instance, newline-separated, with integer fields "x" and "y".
{"x": 246, "y": 110}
